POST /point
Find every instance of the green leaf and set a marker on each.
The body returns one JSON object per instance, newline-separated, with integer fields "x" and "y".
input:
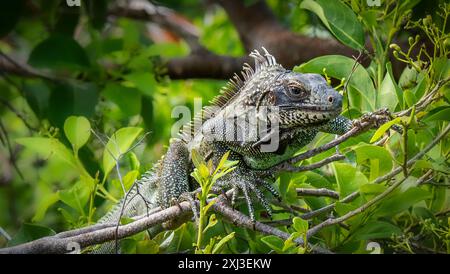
{"x": 210, "y": 204}
{"x": 441, "y": 67}
{"x": 130, "y": 178}
{"x": 135, "y": 164}
{"x": 167, "y": 50}
{"x": 69, "y": 216}
{"x": 211, "y": 222}
{"x": 223, "y": 160}
{"x": 401, "y": 201}
{"x": 338, "y": 66}
{"x": 440, "y": 200}
{"x": 147, "y": 106}
{"x": 372, "y": 189}
{"x": 300, "y": 225}
{"x": 306, "y": 180}
{"x": 419, "y": 89}
{"x": 59, "y": 52}
{"x": 348, "y": 178}
{"x": 409, "y": 97}
{"x": 143, "y": 81}
{"x": 46, "y": 199}
{"x": 147, "y": 247}
{"x": 77, "y": 130}
{"x": 66, "y": 99}
{"x": 344, "y": 208}
{"x": 128, "y": 246}
{"x": 197, "y": 159}
{"x": 387, "y": 95}
{"x": 48, "y": 147}
{"x": 273, "y": 242}
{"x": 203, "y": 171}
{"x": 383, "y": 128}
{"x": 76, "y": 197}
{"x": 37, "y": 94}
{"x": 340, "y": 20}
{"x": 369, "y": 17}
{"x": 118, "y": 144}
{"x": 127, "y": 99}
{"x": 442, "y": 114}
{"x": 408, "y": 78}
{"x": 376, "y": 230}
{"x": 218, "y": 247}
{"x": 379, "y": 158}
{"x": 30, "y": 232}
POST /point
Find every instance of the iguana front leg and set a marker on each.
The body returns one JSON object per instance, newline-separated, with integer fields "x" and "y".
{"x": 247, "y": 178}
{"x": 173, "y": 179}
{"x": 173, "y": 174}
{"x": 338, "y": 125}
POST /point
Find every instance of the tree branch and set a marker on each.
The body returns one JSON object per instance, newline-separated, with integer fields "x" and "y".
{"x": 98, "y": 234}
{"x": 165, "y": 17}
{"x": 101, "y": 233}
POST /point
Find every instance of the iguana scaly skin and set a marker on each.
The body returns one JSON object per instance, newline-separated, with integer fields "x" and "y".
{"x": 292, "y": 107}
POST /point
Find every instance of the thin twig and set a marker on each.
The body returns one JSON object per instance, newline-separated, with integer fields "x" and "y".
{"x": 425, "y": 100}
{"x": 318, "y": 192}
{"x": 289, "y": 167}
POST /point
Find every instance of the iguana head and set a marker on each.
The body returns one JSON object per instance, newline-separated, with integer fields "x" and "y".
{"x": 271, "y": 94}
{"x": 299, "y": 99}
{"x": 303, "y": 99}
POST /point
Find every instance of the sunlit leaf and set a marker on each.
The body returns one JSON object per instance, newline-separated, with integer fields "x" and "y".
{"x": 77, "y": 130}
{"x": 383, "y": 128}
{"x": 274, "y": 243}
{"x": 378, "y": 157}
{"x": 300, "y": 225}
{"x": 48, "y": 147}
{"x": 339, "y": 19}
{"x": 389, "y": 90}
{"x": 218, "y": 247}
{"x": 117, "y": 145}
{"x": 348, "y": 178}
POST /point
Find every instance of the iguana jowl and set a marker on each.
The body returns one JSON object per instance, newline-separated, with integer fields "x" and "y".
{"x": 294, "y": 107}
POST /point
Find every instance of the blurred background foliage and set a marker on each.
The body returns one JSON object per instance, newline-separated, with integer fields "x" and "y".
{"x": 80, "y": 61}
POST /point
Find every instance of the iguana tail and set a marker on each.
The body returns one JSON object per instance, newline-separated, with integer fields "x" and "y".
{"x": 141, "y": 198}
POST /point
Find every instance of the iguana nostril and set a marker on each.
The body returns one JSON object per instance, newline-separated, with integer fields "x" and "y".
{"x": 330, "y": 99}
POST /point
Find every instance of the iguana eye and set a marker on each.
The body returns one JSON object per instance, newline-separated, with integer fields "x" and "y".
{"x": 296, "y": 92}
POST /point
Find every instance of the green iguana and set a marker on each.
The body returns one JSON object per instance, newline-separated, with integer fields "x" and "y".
{"x": 263, "y": 118}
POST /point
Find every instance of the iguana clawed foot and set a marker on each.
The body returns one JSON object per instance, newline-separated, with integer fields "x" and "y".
{"x": 189, "y": 197}
{"x": 249, "y": 182}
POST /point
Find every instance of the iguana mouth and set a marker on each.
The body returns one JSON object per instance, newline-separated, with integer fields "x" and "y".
{"x": 311, "y": 108}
